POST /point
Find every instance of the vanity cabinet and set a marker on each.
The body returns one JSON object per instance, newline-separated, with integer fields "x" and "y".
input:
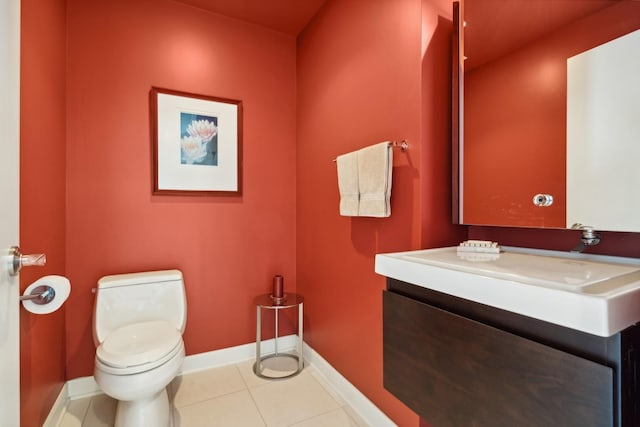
{"x": 460, "y": 363}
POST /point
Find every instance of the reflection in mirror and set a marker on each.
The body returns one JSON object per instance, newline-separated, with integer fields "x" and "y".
{"x": 533, "y": 73}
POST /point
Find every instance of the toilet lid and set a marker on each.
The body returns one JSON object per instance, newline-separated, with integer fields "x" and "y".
{"x": 138, "y": 343}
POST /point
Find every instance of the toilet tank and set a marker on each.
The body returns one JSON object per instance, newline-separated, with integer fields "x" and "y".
{"x": 124, "y": 299}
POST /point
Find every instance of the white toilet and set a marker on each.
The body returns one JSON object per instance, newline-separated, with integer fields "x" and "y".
{"x": 138, "y": 321}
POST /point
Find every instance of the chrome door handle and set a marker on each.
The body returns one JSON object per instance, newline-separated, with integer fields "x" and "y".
{"x": 20, "y": 260}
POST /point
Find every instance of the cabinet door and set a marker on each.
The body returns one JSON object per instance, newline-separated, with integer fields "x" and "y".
{"x": 454, "y": 371}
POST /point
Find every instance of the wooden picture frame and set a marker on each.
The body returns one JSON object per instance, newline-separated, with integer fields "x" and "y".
{"x": 196, "y": 143}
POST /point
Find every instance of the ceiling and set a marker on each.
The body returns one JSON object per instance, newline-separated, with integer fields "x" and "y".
{"x": 488, "y": 21}
{"x": 523, "y": 20}
{"x": 287, "y": 16}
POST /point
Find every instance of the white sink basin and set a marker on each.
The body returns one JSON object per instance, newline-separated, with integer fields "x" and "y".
{"x": 595, "y": 294}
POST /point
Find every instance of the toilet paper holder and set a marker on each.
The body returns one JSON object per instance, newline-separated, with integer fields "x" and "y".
{"x": 46, "y": 295}
{"x": 40, "y": 295}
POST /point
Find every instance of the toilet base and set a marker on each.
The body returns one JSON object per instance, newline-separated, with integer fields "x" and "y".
{"x": 152, "y": 411}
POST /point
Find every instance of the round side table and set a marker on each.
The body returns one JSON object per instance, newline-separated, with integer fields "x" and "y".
{"x": 267, "y": 302}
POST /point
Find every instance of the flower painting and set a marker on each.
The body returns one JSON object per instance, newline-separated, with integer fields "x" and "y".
{"x": 199, "y": 142}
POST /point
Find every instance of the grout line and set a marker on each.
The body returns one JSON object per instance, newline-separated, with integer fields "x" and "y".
{"x": 186, "y": 405}
{"x": 357, "y": 401}
{"x": 246, "y": 385}
{"x": 340, "y": 390}
{"x": 322, "y": 414}
{"x": 255, "y": 404}
{"x": 333, "y": 394}
{"x": 86, "y": 411}
{"x": 353, "y": 415}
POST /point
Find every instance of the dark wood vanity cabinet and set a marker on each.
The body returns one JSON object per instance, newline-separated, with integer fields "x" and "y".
{"x": 459, "y": 363}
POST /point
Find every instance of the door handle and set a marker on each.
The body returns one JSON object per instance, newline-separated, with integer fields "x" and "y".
{"x": 20, "y": 260}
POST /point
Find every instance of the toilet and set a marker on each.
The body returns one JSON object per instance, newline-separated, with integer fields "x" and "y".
{"x": 138, "y": 321}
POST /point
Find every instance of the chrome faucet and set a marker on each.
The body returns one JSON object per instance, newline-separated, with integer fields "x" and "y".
{"x": 589, "y": 237}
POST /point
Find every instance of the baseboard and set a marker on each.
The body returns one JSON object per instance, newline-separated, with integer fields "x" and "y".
{"x": 363, "y": 407}
{"x": 79, "y": 388}
{"x": 227, "y": 356}
{"x": 57, "y": 410}
{"x": 86, "y": 386}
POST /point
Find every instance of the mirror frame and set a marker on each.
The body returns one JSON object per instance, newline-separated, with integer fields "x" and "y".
{"x": 457, "y": 115}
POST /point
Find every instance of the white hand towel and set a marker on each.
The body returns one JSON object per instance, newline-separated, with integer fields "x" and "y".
{"x": 348, "y": 183}
{"x": 375, "y": 164}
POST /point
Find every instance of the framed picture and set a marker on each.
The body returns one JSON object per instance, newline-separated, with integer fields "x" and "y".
{"x": 197, "y": 143}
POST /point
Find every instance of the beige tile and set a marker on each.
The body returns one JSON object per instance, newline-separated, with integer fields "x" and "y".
{"x": 101, "y": 412}
{"x": 323, "y": 382}
{"x": 275, "y": 367}
{"x": 286, "y": 402}
{"x": 355, "y": 416}
{"x": 279, "y": 366}
{"x": 75, "y": 412}
{"x": 231, "y": 410}
{"x": 70, "y": 420}
{"x": 219, "y": 397}
{"x": 204, "y": 385}
{"x": 250, "y": 379}
{"x": 337, "y": 418}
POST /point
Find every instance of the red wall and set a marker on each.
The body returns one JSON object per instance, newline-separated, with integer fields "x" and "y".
{"x": 230, "y": 247}
{"x": 508, "y": 138}
{"x": 227, "y": 247}
{"x": 42, "y": 198}
{"x": 360, "y": 81}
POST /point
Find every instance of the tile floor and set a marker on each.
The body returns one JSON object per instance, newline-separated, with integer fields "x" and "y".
{"x": 234, "y": 396}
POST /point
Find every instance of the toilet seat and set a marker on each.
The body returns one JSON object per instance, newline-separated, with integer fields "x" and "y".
{"x": 138, "y": 347}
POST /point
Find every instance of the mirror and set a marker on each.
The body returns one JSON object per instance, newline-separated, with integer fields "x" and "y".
{"x": 547, "y": 113}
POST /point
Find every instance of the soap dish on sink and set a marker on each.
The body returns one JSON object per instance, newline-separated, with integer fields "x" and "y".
{"x": 479, "y": 247}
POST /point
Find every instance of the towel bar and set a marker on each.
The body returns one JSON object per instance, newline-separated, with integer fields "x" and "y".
{"x": 403, "y": 145}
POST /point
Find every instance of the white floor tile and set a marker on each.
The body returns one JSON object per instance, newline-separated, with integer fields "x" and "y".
{"x": 75, "y": 412}
{"x": 279, "y": 367}
{"x": 275, "y": 367}
{"x": 101, "y": 412}
{"x": 231, "y": 410}
{"x": 251, "y": 379}
{"x": 355, "y": 416}
{"x": 337, "y": 418}
{"x": 283, "y": 403}
{"x": 327, "y": 387}
{"x": 233, "y": 396}
{"x": 204, "y": 385}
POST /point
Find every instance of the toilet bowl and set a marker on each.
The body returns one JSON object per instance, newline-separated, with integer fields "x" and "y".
{"x": 138, "y": 323}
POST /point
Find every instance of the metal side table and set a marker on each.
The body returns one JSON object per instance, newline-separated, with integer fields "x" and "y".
{"x": 267, "y": 302}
